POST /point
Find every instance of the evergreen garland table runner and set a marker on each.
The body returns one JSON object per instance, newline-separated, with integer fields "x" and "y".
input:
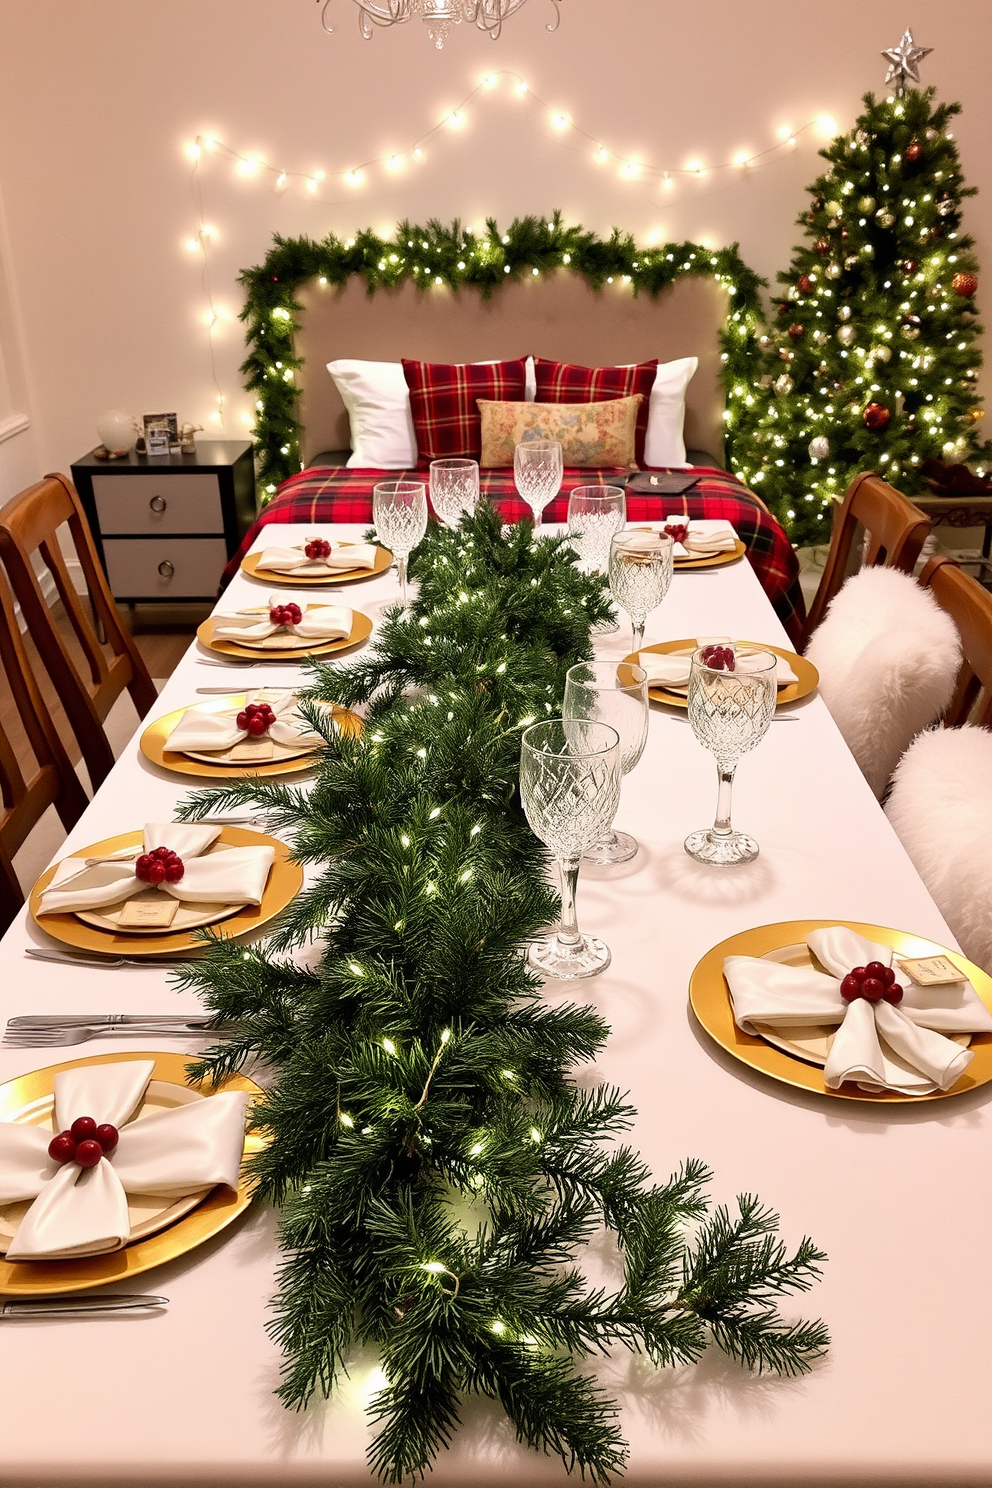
{"x": 417, "y": 1068}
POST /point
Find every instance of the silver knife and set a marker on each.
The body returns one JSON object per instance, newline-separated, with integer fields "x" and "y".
{"x": 68, "y": 1306}
{"x": 79, "y": 1020}
{"x": 103, "y": 963}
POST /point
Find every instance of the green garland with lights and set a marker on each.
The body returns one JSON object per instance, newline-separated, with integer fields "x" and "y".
{"x": 455, "y": 256}
{"x": 873, "y": 359}
{"x": 439, "y": 1166}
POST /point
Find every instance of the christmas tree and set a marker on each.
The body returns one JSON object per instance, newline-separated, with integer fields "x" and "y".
{"x": 871, "y": 362}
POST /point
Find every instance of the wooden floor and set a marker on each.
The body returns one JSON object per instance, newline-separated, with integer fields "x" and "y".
{"x": 162, "y": 633}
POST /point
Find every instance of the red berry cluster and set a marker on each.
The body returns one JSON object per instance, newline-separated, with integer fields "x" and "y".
{"x": 256, "y": 718}
{"x": 84, "y": 1143}
{"x": 317, "y": 548}
{"x": 677, "y": 531}
{"x": 720, "y": 658}
{"x": 161, "y": 865}
{"x": 287, "y": 614}
{"x": 872, "y": 982}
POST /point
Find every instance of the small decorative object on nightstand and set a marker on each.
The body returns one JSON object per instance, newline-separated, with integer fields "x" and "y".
{"x": 165, "y": 528}
{"x": 119, "y": 433}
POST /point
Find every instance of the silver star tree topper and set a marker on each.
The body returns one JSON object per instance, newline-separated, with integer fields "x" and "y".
{"x": 904, "y": 62}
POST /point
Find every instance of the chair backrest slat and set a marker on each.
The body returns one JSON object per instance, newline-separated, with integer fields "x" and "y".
{"x": 970, "y": 607}
{"x": 895, "y": 530}
{"x": 27, "y": 793}
{"x": 29, "y": 526}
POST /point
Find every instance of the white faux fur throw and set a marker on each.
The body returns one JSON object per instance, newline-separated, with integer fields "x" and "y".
{"x": 888, "y": 658}
{"x": 941, "y": 806}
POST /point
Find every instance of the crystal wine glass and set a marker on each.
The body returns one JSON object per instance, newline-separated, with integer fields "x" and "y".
{"x": 537, "y": 472}
{"x": 454, "y": 489}
{"x": 731, "y": 705}
{"x": 399, "y": 514}
{"x": 595, "y": 513}
{"x": 640, "y": 573}
{"x": 569, "y": 786}
{"x": 617, "y": 694}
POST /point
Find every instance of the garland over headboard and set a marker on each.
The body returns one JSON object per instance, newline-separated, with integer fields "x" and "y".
{"x": 456, "y": 256}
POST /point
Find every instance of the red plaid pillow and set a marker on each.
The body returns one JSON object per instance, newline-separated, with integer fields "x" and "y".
{"x": 565, "y": 382}
{"x": 443, "y": 397}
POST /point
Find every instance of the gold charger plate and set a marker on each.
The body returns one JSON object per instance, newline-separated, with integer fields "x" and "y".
{"x": 361, "y": 629}
{"x": 210, "y": 1215}
{"x": 709, "y": 998}
{"x": 284, "y": 883}
{"x": 806, "y": 673}
{"x": 383, "y": 560}
{"x": 715, "y": 560}
{"x": 152, "y": 745}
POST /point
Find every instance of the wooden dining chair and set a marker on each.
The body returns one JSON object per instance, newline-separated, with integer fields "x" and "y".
{"x": 970, "y": 607}
{"x": 896, "y": 531}
{"x": 88, "y": 680}
{"x": 26, "y": 792}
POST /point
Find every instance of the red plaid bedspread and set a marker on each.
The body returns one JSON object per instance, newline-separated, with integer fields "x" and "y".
{"x": 335, "y": 494}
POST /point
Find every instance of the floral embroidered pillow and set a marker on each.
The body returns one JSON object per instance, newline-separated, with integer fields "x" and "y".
{"x": 594, "y": 436}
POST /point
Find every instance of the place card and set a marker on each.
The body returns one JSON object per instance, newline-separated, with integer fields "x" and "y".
{"x": 932, "y": 971}
{"x": 251, "y": 752}
{"x": 148, "y": 914}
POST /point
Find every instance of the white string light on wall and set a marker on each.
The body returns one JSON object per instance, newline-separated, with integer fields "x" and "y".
{"x": 566, "y": 133}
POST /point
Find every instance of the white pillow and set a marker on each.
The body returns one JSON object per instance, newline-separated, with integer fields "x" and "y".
{"x": 377, "y": 401}
{"x": 888, "y": 658}
{"x": 941, "y": 807}
{"x": 664, "y": 443}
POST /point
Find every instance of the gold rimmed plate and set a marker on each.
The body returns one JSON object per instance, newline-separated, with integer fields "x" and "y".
{"x": 284, "y": 883}
{"x": 160, "y": 1232}
{"x": 799, "y": 1065}
{"x": 361, "y": 629}
{"x": 383, "y": 560}
{"x": 806, "y": 674}
{"x": 713, "y": 560}
{"x": 284, "y": 761}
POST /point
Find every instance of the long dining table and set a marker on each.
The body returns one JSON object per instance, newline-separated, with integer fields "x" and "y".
{"x": 898, "y": 1195}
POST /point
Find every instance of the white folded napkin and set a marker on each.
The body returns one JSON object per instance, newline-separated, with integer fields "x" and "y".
{"x": 83, "y": 1211}
{"x": 236, "y": 875}
{"x": 205, "y": 731}
{"x": 878, "y": 1045}
{"x": 672, "y": 672}
{"x": 317, "y": 623}
{"x": 704, "y": 536}
{"x": 295, "y": 561}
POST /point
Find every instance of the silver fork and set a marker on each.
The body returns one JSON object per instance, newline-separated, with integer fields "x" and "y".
{"x": 48, "y": 1038}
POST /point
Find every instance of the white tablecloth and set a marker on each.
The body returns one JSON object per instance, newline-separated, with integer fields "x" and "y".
{"x": 899, "y": 1196}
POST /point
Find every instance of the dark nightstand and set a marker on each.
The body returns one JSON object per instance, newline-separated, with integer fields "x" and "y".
{"x": 166, "y": 525}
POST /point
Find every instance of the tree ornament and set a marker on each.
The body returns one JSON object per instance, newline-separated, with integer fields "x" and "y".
{"x": 904, "y": 62}
{"x": 822, "y": 247}
{"x": 792, "y": 293}
{"x": 783, "y": 385}
{"x": 785, "y": 355}
{"x": 844, "y": 312}
{"x": 881, "y": 353}
{"x": 945, "y": 206}
{"x": 850, "y": 261}
{"x": 973, "y": 416}
{"x": 820, "y": 338}
{"x": 805, "y": 284}
{"x": 884, "y": 217}
{"x": 876, "y": 417}
{"x": 862, "y": 136}
{"x": 913, "y": 151}
{"x": 833, "y": 271}
{"x": 908, "y": 267}
{"x": 911, "y": 327}
{"x": 832, "y": 208}
{"x": 784, "y": 309}
{"x": 866, "y": 204}
{"x": 817, "y": 203}
{"x": 833, "y": 224}
{"x": 845, "y": 335}
{"x": 931, "y": 134}
{"x": 819, "y": 448}
{"x": 965, "y": 285}
{"x": 796, "y": 331}
{"x": 954, "y": 449}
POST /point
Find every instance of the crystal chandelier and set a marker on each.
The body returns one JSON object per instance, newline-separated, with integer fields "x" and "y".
{"x": 437, "y": 15}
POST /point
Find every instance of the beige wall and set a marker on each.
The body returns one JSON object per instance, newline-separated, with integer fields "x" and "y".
{"x": 98, "y": 97}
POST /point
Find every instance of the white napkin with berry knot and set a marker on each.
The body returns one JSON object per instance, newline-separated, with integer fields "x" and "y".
{"x": 83, "y": 1211}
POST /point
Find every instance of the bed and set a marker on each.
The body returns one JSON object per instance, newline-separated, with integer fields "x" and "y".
{"x": 557, "y": 316}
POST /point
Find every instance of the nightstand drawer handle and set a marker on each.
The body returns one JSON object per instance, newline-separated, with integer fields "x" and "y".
{"x": 166, "y": 569}
{"x": 158, "y": 503}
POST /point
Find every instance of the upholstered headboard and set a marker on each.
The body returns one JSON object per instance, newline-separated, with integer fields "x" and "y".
{"x": 557, "y": 315}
